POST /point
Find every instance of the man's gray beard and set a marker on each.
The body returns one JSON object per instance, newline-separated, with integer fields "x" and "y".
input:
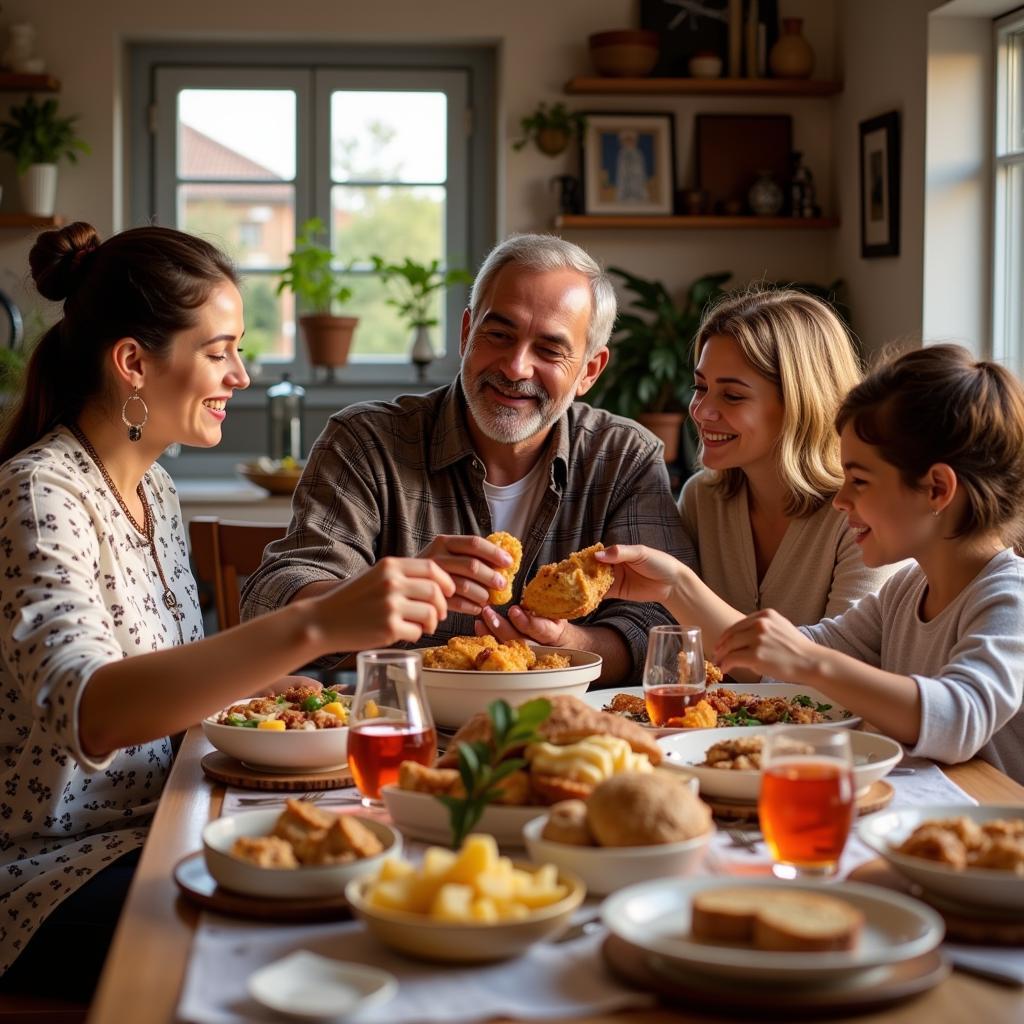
{"x": 506, "y": 425}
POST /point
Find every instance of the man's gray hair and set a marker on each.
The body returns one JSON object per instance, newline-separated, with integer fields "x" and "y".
{"x": 549, "y": 252}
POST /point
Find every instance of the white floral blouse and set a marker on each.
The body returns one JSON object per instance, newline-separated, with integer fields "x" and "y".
{"x": 78, "y": 589}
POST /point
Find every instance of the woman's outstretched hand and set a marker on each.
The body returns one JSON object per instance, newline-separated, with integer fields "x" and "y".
{"x": 769, "y": 644}
{"x": 398, "y": 599}
{"x": 641, "y": 573}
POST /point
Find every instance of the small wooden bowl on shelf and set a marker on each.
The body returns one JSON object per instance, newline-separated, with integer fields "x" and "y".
{"x": 277, "y": 477}
{"x": 625, "y": 53}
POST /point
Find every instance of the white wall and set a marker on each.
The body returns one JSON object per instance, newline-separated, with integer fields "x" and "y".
{"x": 541, "y": 44}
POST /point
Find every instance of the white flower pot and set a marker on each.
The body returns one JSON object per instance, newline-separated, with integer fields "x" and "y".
{"x": 39, "y": 190}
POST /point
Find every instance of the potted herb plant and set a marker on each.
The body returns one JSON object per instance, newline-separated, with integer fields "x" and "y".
{"x": 319, "y": 289}
{"x": 413, "y": 286}
{"x": 551, "y": 128}
{"x": 649, "y": 377}
{"x": 37, "y": 138}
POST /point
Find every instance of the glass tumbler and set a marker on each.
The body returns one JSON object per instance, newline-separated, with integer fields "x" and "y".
{"x": 806, "y": 804}
{"x": 674, "y": 676}
{"x": 390, "y": 721}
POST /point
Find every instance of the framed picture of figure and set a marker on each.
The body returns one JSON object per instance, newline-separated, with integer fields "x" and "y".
{"x": 880, "y": 186}
{"x": 629, "y": 163}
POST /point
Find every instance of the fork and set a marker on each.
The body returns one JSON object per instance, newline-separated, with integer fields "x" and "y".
{"x": 743, "y": 838}
{"x": 321, "y": 797}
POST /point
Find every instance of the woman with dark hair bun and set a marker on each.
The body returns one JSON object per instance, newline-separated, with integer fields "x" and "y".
{"x": 102, "y": 654}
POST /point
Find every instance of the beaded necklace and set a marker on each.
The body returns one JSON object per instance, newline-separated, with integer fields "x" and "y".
{"x": 147, "y": 530}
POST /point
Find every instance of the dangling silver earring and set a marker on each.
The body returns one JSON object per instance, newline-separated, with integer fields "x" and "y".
{"x": 134, "y": 429}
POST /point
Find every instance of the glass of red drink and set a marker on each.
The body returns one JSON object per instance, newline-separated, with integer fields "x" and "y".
{"x": 806, "y": 804}
{"x": 390, "y": 721}
{"x": 674, "y": 676}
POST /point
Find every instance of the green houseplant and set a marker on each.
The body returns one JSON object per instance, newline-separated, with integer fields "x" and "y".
{"x": 318, "y": 286}
{"x": 413, "y": 286}
{"x": 551, "y": 128}
{"x": 37, "y": 137}
{"x": 650, "y": 374}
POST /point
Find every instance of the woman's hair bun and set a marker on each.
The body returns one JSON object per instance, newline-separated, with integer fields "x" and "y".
{"x": 57, "y": 259}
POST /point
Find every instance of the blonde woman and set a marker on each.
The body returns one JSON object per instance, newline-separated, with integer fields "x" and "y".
{"x": 772, "y": 367}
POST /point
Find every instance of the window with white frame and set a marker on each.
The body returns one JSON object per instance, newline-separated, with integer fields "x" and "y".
{"x": 247, "y": 145}
{"x": 1008, "y": 261}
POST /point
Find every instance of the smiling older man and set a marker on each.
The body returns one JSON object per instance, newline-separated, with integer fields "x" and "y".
{"x": 504, "y": 447}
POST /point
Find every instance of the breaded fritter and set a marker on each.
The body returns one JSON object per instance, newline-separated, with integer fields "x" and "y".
{"x": 515, "y": 656}
{"x": 698, "y": 716}
{"x": 514, "y": 547}
{"x": 550, "y": 661}
{"x": 460, "y": 653}
{"x": 569, "y": 589}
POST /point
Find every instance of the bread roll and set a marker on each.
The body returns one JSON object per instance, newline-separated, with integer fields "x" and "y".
{"x": 645, "y": 810}
{"x": 567, "y": 823}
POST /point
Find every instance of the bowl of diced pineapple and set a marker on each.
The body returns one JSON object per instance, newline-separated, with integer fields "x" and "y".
{"x": 472, "y": 906}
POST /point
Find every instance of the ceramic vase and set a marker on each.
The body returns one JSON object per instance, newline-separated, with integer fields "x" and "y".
{"x": 39, "y": 190}
{"x": 765, "y": 195}
{"x": 791, "y": 56}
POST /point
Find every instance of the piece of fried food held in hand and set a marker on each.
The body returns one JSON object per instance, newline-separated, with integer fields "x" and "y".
{"x": 514, "y": 547}
{"x": 568, "y": 589}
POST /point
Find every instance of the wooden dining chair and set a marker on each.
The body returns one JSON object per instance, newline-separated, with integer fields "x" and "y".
{"x": 225, "y": 552}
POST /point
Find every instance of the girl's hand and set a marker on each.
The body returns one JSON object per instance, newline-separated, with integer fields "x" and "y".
{"x": 641, "y": 573}
{"x": 521, "y": 625}
{"x": 397, "y": 599}
{"x": 769, "y": 644}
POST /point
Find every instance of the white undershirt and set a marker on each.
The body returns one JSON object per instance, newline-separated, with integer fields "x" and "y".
{"x": 513, "y": 507}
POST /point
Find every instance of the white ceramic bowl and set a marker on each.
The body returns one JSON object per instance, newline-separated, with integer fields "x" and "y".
{"x": 284, "y": 883}
{"x": 605, "y": 869}
{"x": 874, "y": 756}
{"x": 456, "y": 695}
{"x": 291, "y": 751}
{"x": 971, "y": 887}
{"x": 453, "y": 942}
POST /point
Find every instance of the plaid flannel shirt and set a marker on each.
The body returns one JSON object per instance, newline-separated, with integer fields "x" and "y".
{"x": 386, "y": 478}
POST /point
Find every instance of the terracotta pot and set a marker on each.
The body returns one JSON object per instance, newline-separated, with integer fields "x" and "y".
{"x": 552, "y": 140}
{"x": 626, "y": 53}
{"x": 328, "y": 338}
{"x": 666, "y": 426}
{"x": 791, "y": 56}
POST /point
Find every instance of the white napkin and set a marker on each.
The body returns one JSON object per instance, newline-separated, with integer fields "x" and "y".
{"x": 996, "y": 962}
{"x": 551, "y": 980}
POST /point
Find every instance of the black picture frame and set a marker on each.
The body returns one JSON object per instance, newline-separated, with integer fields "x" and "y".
{"x": 650, "y": 187}
{"x": 880, "y": 186}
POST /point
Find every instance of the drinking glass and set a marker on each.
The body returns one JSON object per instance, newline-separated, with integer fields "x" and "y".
{"x": 390, "y": 721}
{"x": 674, "y": 676}
{"x": 806, "y": 805}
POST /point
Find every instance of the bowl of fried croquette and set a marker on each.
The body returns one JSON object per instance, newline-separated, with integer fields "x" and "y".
{"x": 469, "y": 906}
{"x": 470, "y": 672}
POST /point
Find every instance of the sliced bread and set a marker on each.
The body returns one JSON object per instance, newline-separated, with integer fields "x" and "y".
{"x": 774, "y": 919}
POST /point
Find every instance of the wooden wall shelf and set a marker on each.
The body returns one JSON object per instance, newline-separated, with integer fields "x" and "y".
{"x": 597, "y": 86}
{"x": 584, "y": 222}
{"x": 10, "y": 82}
{"x": 27, "y": 220}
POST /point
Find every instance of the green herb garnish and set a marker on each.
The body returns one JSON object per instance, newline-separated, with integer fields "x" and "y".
{"x": 483, "y": 765}
{"x": 740, "y": 717}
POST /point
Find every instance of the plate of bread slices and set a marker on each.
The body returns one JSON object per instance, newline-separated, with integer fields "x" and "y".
{"x": 770, "y": 932}
{"x": 579, "y": 747}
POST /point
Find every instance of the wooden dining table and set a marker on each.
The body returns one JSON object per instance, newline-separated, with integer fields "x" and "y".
{"x": 143, "y": 976}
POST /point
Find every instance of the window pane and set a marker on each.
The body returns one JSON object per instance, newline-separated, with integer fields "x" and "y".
{"x": 382, "y": 334}
{"x": 254, "y": 223}
{"x": 236, "y": 133}
{"x": 392, "y": 222}
{"x": 1016, "y": 65}
{"x": 269, "y": 319}
{"x": 389, "y": 136}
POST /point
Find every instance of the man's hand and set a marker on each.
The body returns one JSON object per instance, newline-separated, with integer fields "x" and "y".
{"x": 522, "y": 625}
{"x": 470, "y": 562}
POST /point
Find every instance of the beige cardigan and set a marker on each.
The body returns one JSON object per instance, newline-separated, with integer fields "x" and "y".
{"x": 817, "y": 572}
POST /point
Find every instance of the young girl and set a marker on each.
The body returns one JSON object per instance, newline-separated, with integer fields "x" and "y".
{"x": 101, "y": 649}
{"x": 772, "y": 367}
{"x": 933, "y": 457}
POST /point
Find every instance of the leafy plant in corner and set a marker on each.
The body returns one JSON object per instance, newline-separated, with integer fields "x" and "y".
{"x": 483, "y": 765}
{"x": 550, "y": 127}
{"x": 414, "y": 285}
{"x": 651, "y": 365}
{"x": 36, "y": 135}
{"x": 311, "y": 274}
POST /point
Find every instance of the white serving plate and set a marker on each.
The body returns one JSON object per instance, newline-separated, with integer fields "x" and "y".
{"x": 874, "y": 756}
{"x": 455, "y": 695}
{"x": 605, "y": 869}
{"x": 656, "y": 917}
{"x": 291, "y": 751}
{"x": 284, "y": 883}
{"x": 838, "y": 715}
{"x": 308, "y": 986}
{"x": 970, "y": 888}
